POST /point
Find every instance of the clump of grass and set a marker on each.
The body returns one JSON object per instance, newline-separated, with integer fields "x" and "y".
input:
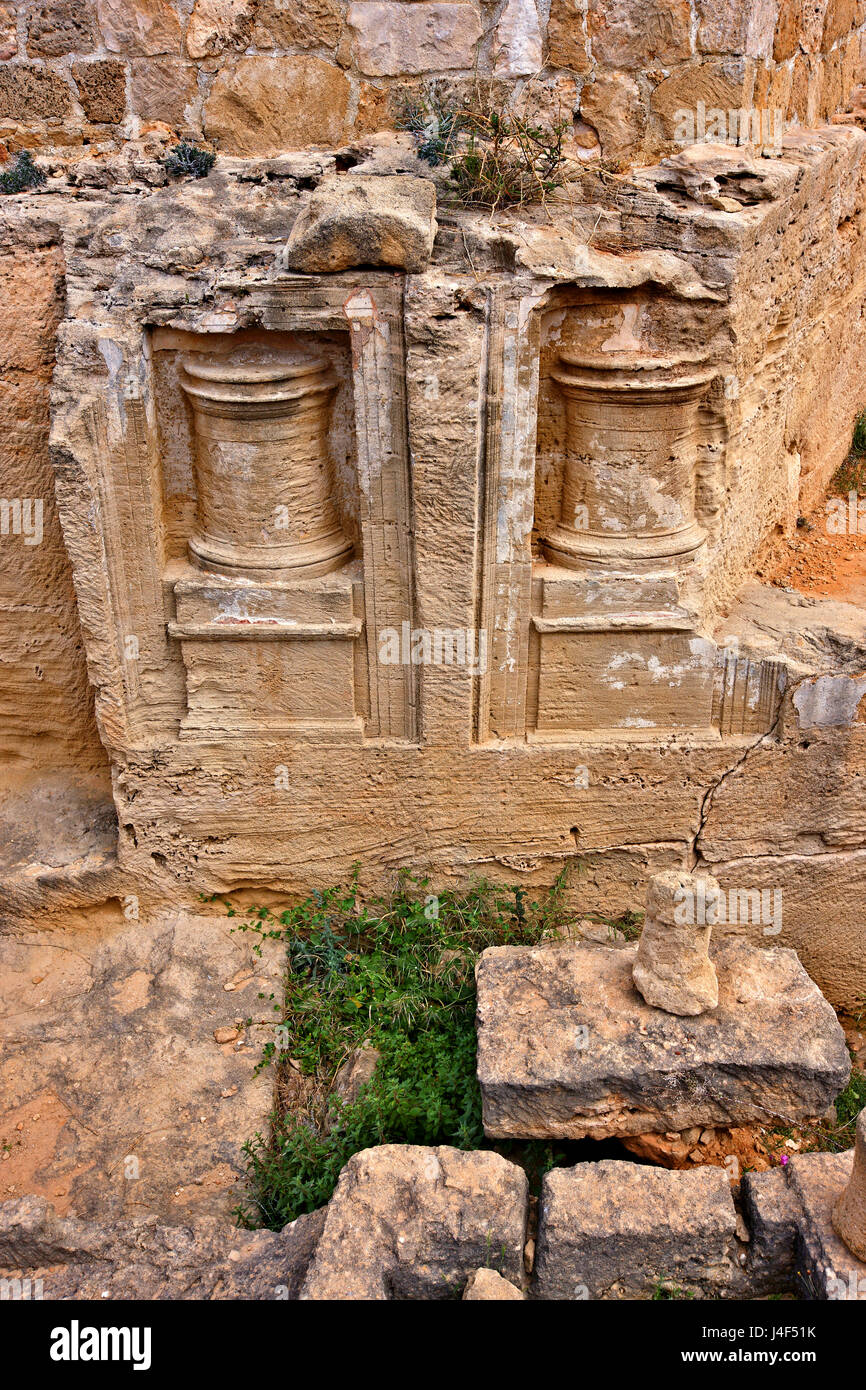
{"x": 396, "y": 975}
{"x": 497, "y": 158}
{"x": 663, "y": 1290}
{"x": 189, "y": 159}
{"x": 840, "y": 1136}
{"x": 851, "y": 475}
{"x": 23, "y": 174}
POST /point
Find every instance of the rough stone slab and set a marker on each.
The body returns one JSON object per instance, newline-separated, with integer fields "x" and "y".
{"x": 354, "y": 220}
{"x": 407, "y": 1221}
{"x": 825, "y": 1266}
{"x": 205, "y": 1259}
{"x": 617, "y": 1230}
{"x": 116, "y": 1098}
{"x": 772, "y": 1213}
{"x": 568, "y": 1049}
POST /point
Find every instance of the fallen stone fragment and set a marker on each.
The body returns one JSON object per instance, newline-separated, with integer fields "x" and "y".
{"x": 364, "y": 220}
{"x": 620, "y": 1230}
{"x": 486, "y": 1286}
{"x": 412, "y": 1222}
{"x": 673, "y": 970}
{"x": 849, "y": 1213}
{"x": 568, "y": 1049}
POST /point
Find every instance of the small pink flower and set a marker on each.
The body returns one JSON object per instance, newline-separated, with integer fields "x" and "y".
{"x": 783, "y": 1160}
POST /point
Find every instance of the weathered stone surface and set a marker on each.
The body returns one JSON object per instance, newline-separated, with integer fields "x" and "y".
{"x": 355, "y": 1073}
{"x": 842, "y": 16}
{"x": 849, "y": 1213}
{"x": 422, "y": 36}
{"x": 28, "y": 93}
{"x": 266, "y": 105}
{"x": 164, "y": 89}
{"x": 139, "y": 27}
{"x": 611, "y": 103}
{"x": 486, "y": 1286}
{"x": 216, "y": 25}
{"x": 567, "y": 37}
{"x": 744, "y": 27}
{"x": 618, "y": 1230}
{"x": 517, "y": 40}
{"x": 672, "y": 969}
{"x": 117, "y": 1100}
{"x": 58, "y": 27}
{"x": 717, "y": 84}
{"x": 633, "y": 34}
{"x": 412, "y": 1222}
{"x": 8, "y": 32}
{"x": 825, "y": 1266}
{"x": 204, "y": 1259}
{"x": 300, "y": 23}
{"x": 771, "y": 1211}
{"x": 357, "y": 220}
{"x": 101, "y": 89}
{"x": 567, "y": 1048}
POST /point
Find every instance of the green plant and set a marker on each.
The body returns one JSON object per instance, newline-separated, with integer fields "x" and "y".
{"x": 497, "y": 158}
{"x": 840, "y": 1136}
{"x": 663, "y": 1289}
{"x": 397, "y": 975}
{"x": 850, "y": 476}
{"x": 189, "y": 159}
{"x": 23, "y": 174}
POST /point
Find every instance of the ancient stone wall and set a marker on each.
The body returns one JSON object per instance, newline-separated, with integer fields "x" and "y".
{"x": 258, "y": 77}
{"x": 269, "y": 714}
{"x": 46, "y": 705}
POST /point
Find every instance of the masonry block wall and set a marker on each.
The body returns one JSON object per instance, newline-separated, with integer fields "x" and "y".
{"x": 258, "y": 77}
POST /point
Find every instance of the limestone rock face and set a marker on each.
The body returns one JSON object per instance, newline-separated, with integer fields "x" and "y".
{"x": 849, "y": 1213}
{"x": 568, "y": 1049}
{"x": 413, "y": 1222}
{"x": 673, "y": 970}
{"x": 266, "y": 105}
{"x": 486, "y": 1286}
{"x": 353, "y": 221}
{"x": 390, "y": 39}
{"x": 617, "y": 1230}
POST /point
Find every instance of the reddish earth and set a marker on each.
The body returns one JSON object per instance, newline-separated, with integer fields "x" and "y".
{"x": 816, "y": 561}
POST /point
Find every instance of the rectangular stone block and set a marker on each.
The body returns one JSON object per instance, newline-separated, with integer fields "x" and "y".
{"x": 568, "y": 1049}
{"x": 395, "y": 39}
{"x": 620, "y": 1230}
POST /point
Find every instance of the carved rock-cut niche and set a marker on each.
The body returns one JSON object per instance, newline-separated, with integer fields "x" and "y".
{"x": 274, "y": 521}
{"x": 624, "y": 432}
{"x": 266, "y": 610}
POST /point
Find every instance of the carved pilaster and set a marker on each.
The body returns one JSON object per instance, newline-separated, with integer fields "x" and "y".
{"x": 628, "y": 491}
{"x": 261, "y": 464}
